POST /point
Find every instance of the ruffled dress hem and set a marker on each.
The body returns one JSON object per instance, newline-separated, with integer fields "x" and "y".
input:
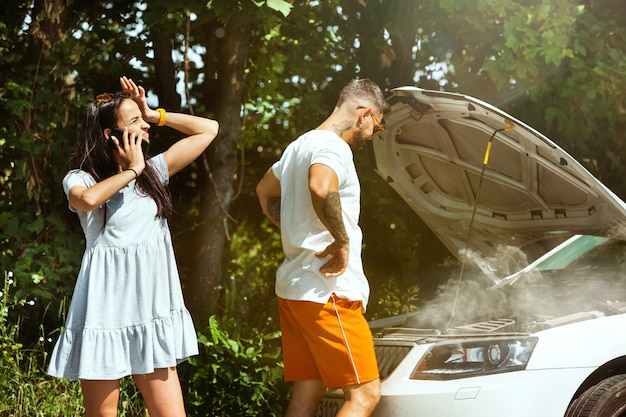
{"x": 109, "y": 354}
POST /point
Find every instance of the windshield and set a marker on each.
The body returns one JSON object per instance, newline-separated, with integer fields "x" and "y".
{"x": 578, "y": 249}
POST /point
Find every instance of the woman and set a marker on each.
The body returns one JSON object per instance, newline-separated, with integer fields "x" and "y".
{"x": 127, "y": 315}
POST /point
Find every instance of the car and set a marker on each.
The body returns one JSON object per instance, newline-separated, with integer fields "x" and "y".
{"x": 533, "y": 321}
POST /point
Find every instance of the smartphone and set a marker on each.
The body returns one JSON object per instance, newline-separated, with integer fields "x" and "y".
{"x": 118, "y": 133}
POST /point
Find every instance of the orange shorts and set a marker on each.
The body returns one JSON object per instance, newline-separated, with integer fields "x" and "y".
{"x": 331, "y": 342}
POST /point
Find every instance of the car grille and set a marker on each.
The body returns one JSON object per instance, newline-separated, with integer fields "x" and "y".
{"x": 389, "y": 355}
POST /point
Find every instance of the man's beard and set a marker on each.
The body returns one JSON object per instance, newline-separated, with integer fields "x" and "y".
{"x": 359, "y": 141}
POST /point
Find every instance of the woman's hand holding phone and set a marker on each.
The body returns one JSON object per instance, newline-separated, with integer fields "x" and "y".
{"x": 119, "y": 135}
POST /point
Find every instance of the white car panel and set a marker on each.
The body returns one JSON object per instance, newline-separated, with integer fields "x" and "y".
{"x": 491, "y": 187}
{"x": 433, "y": 154}
{"x": 604, "y": 333}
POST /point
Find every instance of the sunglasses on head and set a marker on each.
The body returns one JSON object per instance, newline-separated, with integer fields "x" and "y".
{"x": 103, "y": 98}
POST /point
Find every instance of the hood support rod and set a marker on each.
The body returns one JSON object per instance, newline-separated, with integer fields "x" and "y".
{"x": 509, "y": 127}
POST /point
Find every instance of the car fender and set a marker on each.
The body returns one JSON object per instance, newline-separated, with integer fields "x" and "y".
{"x": 589, "y": 343}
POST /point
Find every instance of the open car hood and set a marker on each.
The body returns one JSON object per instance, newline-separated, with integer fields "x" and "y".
{"x": 514, "y": 202}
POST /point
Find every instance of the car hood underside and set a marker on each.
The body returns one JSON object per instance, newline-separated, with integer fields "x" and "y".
{"x": 488, "y": 185}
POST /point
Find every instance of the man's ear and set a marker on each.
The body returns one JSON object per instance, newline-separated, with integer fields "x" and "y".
{"x": 363, "y": 112}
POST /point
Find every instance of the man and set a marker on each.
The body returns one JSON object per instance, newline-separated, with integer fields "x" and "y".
{"x": 313, "y": 194}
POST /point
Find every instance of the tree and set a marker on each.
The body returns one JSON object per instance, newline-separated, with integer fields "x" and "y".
{"x": 268, "y": 70}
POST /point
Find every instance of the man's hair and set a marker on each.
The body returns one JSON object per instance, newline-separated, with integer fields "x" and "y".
{"x": 366, "y": 90}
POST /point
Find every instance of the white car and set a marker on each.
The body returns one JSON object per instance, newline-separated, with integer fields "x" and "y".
{"x": 534, "y": 322}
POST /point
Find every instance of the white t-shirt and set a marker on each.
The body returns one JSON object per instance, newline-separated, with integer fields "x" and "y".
{"x": 303, "y": 234}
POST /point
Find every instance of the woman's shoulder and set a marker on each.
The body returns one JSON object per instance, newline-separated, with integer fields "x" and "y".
{"x": 77, "y": 177}
{"x": 159, "y": 164}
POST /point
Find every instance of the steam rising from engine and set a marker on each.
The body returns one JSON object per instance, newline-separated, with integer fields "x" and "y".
{"x": 536, "y": 301}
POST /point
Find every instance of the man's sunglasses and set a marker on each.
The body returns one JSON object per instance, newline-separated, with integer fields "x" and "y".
{"x": 378, "y": 126}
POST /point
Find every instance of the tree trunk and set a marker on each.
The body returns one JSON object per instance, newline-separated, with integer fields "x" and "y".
{"x": 165, "y": 71}
{"x": 220, "y": 166}
{"x": 401, "y": 69}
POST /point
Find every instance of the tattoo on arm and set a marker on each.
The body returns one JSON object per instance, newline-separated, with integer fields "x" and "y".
{"x": 331, "y": 209}
{"x": 273, "y": 210}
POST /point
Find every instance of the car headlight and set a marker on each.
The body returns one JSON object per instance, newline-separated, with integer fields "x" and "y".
{"x": 474, "y": 357}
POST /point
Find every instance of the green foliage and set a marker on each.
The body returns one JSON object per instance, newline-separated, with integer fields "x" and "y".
{"x": 553, "y": 64}
{"x": 247, "y": 295}
{"x": 557, "y": 65}
{"x": 282, "y": 6}
{"x": 25, "y": 389}
{"x": 235, "y": 374}
{"x": 239, "y": 369}
{"x": 242, "y": 376}
{"x": 220, "y": 6}
{"x": 394, "y": 300}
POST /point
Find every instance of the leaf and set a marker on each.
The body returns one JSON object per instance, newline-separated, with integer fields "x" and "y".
{"x": 36, "y": 226}
{"x": 281, "y": 6}
{"x": 591, "y": 94}
{"x": 232, "y": 345}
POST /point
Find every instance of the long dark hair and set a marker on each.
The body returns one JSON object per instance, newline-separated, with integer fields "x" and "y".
{"x": 93, "y": 153}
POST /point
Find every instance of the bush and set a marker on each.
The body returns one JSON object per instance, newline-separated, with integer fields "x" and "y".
{"x": 234, "y": 375}
{"x": 24, "y": 388}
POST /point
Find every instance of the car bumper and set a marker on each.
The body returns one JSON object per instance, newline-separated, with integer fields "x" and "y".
{"x": 545, "y": 393}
